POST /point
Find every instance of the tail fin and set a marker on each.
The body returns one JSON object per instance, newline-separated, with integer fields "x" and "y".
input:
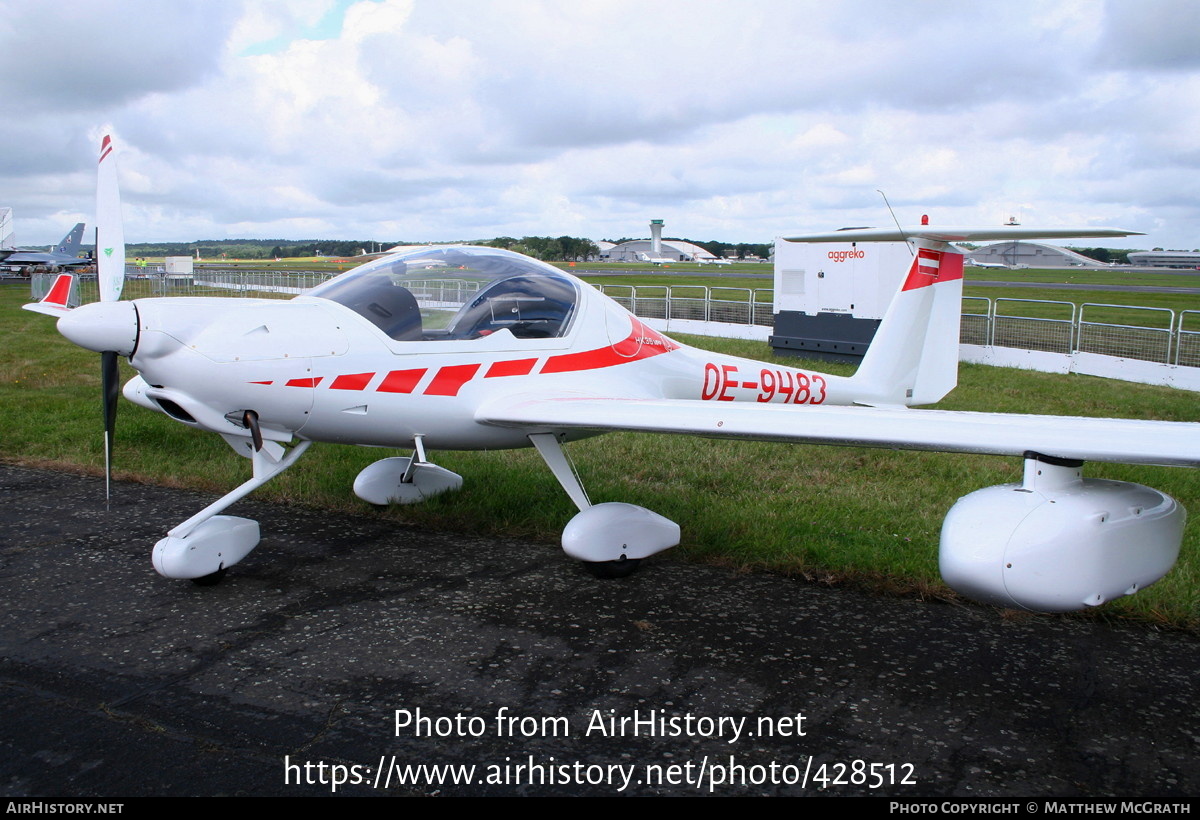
{"x": 913, "y": 358}
{"x": 70, "y": 243}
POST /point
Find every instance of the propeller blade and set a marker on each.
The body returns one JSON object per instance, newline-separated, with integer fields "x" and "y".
{"x": 110, "y": 385}
{"x": 110, "y": 233}
{"x": 110, "y": 270}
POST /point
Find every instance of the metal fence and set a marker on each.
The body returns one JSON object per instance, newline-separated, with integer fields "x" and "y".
{"x": 1127, "y": 331}
{"x": 1147, "y": 336}
{"x": 276, "y": 284}
{"x": 976, "y": 327}
{"x": 737, "y": 306}
{"x": 1033, "y": 324}
{"x": 1187, "y": 339}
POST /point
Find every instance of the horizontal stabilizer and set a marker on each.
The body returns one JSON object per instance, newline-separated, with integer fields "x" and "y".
{"x": 938, "y": 233}
{"x": 56, "y": 301}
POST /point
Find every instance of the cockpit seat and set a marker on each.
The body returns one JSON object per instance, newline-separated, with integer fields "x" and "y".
{"x": 391, "y": 308}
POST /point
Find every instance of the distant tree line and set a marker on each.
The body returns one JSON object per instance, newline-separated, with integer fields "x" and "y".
{"x": 741, "y": 250}
{"x": 257, "y": 248}
{"x": 1106, "y": 255}
{"x": 549, "y": 249}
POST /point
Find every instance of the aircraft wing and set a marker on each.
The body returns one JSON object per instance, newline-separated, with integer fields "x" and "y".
{"x": 1125, "y": 441}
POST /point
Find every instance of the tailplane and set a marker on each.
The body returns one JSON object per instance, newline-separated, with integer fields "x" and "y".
{"x": 913, "y": 357}
{"x": 57, "y": 300}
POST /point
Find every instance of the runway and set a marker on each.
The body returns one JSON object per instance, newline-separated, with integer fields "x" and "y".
{"x": 321, "y": 647}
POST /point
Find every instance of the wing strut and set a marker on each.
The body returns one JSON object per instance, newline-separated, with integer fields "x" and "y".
{"x": 610, "y": 538}
{"x": 556, "y": 459}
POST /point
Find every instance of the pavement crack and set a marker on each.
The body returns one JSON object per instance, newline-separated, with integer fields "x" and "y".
{"x": 330, "y": 716}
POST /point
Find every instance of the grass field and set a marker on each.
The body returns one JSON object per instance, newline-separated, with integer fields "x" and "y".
{"x": 834, "y": 515}
{"x": 1086, "y": 276}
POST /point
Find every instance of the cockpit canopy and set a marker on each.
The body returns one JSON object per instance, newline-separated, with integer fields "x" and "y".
{"x": 457, "y": 292}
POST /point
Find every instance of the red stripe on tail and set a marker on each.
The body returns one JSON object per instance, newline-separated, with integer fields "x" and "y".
{"x": 930, "y": 267}
{"x": 60, "y": 291}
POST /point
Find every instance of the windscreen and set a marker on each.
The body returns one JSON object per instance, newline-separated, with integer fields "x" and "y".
{"x": 457, "y": 293}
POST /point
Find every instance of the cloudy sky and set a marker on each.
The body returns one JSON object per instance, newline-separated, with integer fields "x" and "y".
{"x": 425, "y": 120}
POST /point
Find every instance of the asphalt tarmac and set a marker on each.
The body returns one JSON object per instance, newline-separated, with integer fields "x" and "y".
{"x": 309, "y": 663}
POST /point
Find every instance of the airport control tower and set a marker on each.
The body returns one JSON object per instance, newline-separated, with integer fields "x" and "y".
{"x": 656, "y": 237}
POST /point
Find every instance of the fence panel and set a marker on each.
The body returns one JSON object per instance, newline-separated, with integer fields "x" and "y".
{"x": 1187, "y": 342}
{"x": 1033, "y": 324}
{"x": 688, "y": 302}
{"x": 762, "y": 309}
{"x": 651, "y": 301}
{"x": 621, "y": 294}
{"x": 976, "y": 328}
{"x": 730, "y": 305}
{"x": 1131, "y": 333}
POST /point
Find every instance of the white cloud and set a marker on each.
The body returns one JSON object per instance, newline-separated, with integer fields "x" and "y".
{"x": 414, "y": 119}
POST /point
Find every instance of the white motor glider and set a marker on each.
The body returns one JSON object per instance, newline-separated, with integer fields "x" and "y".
{"x": 478, "y": 348}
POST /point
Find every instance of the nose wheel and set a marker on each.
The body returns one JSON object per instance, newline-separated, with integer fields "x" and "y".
{"x": 202, "y": 548}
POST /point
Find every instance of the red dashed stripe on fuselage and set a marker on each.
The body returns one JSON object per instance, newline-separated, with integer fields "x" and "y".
{"x": 401, "y": 381}
{"x": 643, "y": 342}
{"x": 352, "y": 381}
{"x": 515, "y": 367}
{"x": 450, "y": 379}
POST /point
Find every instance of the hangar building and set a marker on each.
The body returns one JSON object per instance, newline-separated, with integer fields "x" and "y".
{"x": 1165, "y": 259}
{"x": 655, "y": 249}
{"x": 1029, "y": 255}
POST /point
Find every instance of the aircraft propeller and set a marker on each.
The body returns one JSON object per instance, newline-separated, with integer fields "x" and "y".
{"x": 110, "y": 268}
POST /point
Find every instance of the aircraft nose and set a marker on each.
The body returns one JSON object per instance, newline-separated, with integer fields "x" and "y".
{"x": 102, "y": 327}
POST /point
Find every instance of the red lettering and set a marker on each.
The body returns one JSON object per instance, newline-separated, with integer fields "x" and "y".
{"x": 801, "y": 388}
{"x": 726, "y": 371}
{"x": 786, "y": 387}
{"x": 817, "y": 380}
{"x": 791, "y": 387}
{"x": 712, "y": 382}
{"x": 767, "y": 379}
{"x": 842, "y": 256}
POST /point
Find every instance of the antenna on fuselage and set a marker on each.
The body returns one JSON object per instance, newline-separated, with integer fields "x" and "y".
{"x": 897, "y": 221}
